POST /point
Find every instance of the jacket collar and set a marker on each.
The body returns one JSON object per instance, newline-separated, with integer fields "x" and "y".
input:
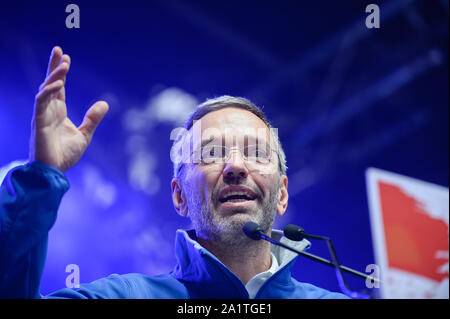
{"x": 205, "y": 276}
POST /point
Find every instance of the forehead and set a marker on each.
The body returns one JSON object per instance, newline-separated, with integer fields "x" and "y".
{"x": 232, "y": 120}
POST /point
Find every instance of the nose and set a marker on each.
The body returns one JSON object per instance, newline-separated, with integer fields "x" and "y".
{"x": 235, "y": 166}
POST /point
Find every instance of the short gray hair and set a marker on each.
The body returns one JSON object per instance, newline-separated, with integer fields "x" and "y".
{"x": 218, "y": 103}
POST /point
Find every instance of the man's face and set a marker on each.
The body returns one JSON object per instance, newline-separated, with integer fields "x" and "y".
{"x": 222, "y": 195}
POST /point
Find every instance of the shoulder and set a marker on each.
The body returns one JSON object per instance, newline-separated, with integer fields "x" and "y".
{"x": 163, "y": 286}
{"x": 112, "y": 287}
{"x": 127, "y": 286}
{"x": 309, "y": 291}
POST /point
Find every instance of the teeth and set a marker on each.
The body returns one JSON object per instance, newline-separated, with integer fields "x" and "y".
{"x": 237, "y": 200}
{"x": 237, "y": 193}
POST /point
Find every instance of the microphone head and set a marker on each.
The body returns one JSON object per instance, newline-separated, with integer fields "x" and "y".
{"x": 294, "y": 232}
{"x": 252, "y": 230}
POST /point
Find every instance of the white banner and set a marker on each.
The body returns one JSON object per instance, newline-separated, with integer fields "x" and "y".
{"x": 409, "y": 221}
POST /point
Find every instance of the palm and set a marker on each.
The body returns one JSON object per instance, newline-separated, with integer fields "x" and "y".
{"x": 56, "y": 141}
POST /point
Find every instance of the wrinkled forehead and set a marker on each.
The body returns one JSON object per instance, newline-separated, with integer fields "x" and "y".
{"x": 238, "y": 128}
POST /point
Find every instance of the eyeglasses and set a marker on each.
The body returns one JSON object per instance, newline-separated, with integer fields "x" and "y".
{"x": 209, "y": 154}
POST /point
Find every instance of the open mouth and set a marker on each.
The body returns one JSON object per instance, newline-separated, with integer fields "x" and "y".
{"x": 236, "y": 196}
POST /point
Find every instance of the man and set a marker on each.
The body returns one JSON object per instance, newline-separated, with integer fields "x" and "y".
{"x": 229, "y": 168}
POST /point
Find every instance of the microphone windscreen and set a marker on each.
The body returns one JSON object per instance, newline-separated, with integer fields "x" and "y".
{"x": 252, "y": 230}
{"x": 294, "y": 232}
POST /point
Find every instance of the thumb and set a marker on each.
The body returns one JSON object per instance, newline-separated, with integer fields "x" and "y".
{"x": 92, "y": 118}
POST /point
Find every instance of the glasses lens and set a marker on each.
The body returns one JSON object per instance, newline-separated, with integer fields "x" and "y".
{"x": 213, "y": 153}
{"x": 219, "y": 154}
{"x": 257, "y": 153}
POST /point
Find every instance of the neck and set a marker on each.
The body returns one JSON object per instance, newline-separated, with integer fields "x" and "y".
{"x": 245, "y": 260}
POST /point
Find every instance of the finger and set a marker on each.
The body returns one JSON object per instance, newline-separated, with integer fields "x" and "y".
{"x": 55, "y": 59}
{"x": 44, "y": 95}
{"x": 65, "y": 59}
{"x": 93, "y": 118}
{"x": 58, "y": 74}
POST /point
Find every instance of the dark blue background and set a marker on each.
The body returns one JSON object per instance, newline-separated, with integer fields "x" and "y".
{"x": 343, "y": 97}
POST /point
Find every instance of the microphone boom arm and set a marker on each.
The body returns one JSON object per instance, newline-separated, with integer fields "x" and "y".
{"x": 319, "y": 259}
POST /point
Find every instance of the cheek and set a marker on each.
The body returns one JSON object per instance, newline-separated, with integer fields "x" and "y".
{"x": 268, "y": 184}
{"x": 204, "y": 182}
{"x": 212, "y": 181}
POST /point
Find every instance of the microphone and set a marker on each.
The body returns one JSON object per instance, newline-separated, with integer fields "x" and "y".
{"x": 253, "y": 230}
{"x": 296, "y": 233}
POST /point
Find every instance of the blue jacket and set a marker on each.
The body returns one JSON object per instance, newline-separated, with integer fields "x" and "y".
{"x": 29, "y": 200}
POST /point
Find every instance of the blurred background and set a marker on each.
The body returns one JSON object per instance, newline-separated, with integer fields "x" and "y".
{"x": 343, "y": 97}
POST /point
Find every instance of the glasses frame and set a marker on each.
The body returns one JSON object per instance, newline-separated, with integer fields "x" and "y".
{"x": 226, "y": 159}
{"x": 228, "y": 152}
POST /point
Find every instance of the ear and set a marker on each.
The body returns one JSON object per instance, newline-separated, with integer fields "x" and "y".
{"x": 283, "y": 196}
{"x": 178, "y": 198}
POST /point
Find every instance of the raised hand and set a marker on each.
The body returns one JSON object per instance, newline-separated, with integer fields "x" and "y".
{"x": 55, "y": 140}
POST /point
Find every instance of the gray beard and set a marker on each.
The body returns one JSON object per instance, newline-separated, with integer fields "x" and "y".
{"x": 226, "y": 231}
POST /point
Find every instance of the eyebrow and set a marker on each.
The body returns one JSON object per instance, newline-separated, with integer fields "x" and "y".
{"x": 258, "y": 141}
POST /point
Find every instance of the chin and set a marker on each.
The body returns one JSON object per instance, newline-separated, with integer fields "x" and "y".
{"x": 235, "y": 222}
